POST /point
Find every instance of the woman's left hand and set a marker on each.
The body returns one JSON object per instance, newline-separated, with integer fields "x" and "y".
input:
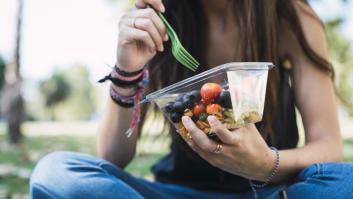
{"x": 244, "y": 152}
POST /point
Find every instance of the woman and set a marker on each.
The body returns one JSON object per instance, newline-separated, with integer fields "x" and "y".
{"x": 287, "y": 33}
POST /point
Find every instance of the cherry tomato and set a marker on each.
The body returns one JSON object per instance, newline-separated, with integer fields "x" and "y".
{"x": 210, "y": 91}
{"x": 198, "y": 109}
{"x": 213, "y": 108}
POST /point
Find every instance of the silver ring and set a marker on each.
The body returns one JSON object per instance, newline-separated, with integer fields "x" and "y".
{"x": 140, "y": 7}
{"x": 218, "y": 148}
{"x": 188, "y": 136}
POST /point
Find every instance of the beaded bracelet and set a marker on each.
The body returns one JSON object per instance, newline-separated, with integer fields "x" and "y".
{"x": 269, "y": 178}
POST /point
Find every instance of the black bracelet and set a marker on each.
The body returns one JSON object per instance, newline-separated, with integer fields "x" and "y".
{"x": 125, "y": 73}
{"x": 121, "y": 103}
{"x": 122, "y": 83}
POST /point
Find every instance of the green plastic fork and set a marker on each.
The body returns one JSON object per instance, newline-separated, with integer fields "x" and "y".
{"x": 178, "y": 51}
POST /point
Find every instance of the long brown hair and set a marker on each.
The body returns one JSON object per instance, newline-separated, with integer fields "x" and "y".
{"x": 259, "y": 40}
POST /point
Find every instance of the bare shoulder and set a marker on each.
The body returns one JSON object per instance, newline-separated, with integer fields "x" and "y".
{"x": 313, "y": 29}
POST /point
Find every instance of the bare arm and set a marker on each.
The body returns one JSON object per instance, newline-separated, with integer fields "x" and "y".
{"x": 112, "y": 143}
{"x": 141, "y": 34}
{"x": 244, "y": 152}
{"x": 315, "y": 98}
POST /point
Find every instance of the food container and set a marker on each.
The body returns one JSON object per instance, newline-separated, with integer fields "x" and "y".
{"x": 233, "y": 92}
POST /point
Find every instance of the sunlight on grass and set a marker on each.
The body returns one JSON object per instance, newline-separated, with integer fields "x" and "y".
{"x": 37, "y": 146}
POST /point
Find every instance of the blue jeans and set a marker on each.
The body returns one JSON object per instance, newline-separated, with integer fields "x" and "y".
{"x": 74, "y": 175}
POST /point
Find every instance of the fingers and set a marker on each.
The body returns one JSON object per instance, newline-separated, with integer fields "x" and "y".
{"x": 151, "y": 14}
{"x": 198, "y": 136}
{"x": 132, "y": 34}
{"x": 221, "y": 131}
{"x": 156, "y": 4}
{"x": 148, "y": 26}
{"x": 147, "y": 20}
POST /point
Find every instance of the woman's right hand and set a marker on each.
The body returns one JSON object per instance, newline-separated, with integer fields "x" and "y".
{"x": 141, "y": 35}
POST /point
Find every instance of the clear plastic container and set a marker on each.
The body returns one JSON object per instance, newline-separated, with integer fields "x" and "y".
{"x": 233, "y": 92}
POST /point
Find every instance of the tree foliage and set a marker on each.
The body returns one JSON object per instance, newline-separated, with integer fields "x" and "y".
{"x": 55, "y": 89}
{"x": 69, "y": 94}
{"x": 2, "y": 72}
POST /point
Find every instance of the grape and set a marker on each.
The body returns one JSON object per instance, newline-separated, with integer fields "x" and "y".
{"x": 178, "y": 107}
{"x": 169, "y": 107}
{"x": 225, "y": 99}
{"x": 176, "y": 117}
{"x": 187, "y": 102}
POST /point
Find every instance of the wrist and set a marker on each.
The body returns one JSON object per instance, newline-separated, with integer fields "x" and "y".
{"x": 129, "y": 69}
{"x": 268, "y": 173}
{"x": 269, "y": 165}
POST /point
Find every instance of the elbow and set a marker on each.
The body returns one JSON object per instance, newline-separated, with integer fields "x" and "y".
{"x": 119, "y": 160}
{"x": 337, "y": 150}
{"x": 339, "y": 153}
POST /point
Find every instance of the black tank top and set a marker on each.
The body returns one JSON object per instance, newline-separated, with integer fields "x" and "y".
{"x": 183, "y": 166}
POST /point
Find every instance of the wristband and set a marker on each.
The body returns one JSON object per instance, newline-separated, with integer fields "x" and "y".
{"x": 124, "y": 101}
{"x": 132, "y": 100}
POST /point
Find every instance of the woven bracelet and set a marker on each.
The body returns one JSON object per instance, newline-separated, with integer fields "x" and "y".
{"x": 124, "y": 101}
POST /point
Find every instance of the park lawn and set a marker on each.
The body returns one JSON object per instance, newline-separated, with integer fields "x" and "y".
{"x": 15, "y": 182}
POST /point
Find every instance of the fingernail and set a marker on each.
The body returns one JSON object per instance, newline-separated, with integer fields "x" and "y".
{"x": 211, "y": 120}
{"x": 166, "y": 37}
{"x": 162, "y": 48}
{"x": 162, "y": 8}
{"x": 185, "y": 119}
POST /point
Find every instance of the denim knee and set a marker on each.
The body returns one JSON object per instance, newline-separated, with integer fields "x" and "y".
{"x": 47, "y": 178}
{"x": 328, "y": 171}
{"x": 323, "y": 180}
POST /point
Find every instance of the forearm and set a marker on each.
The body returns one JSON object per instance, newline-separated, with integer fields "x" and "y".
{"x": 294, "y": 160}
{"x": 112, "y": 142}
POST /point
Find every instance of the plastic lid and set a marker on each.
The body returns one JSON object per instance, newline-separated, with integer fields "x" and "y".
{"x": 222, "y": 68}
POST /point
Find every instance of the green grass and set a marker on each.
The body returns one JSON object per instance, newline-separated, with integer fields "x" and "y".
{"x": 37, "y": 147}
{"x": 25, "y": 157}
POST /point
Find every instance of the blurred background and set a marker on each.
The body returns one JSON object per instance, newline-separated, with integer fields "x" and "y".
{"x": 52, "y": 52}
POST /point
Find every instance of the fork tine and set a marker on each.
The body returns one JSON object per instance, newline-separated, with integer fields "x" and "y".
{"x": 184, "y": 57}
{"x": 181, "y": 55}
{"x": 189, "y": 55}
{"x": 179, "y": 52}
{"x": 182, "y": 60}
{"x": 182, "y": 52}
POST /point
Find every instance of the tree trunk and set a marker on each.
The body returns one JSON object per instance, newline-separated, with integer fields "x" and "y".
{"x": 11, "y": 99}
{"x": 13, "y": 110}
